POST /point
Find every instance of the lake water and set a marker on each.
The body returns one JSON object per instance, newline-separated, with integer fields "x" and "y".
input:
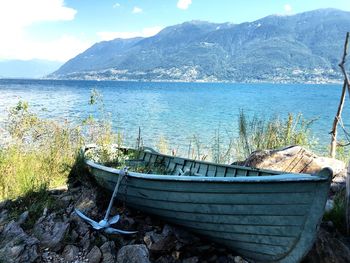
{"x": 177, "y": 111}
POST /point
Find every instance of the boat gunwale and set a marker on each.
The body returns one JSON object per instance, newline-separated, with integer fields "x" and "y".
{"x": 152, "y": 151}
{"x": 278, "y": 178}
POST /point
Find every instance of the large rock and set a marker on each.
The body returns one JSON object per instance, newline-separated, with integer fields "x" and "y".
{"x": 133, "y": 254}
{"x": 108, "y": 252}
{"x": 87, "y": 202}
{"x": 328, "y": 249}
{"x": 23, "y": 218}
{"x": 94, "y": 256}
{"x": 16, "y": 245}
{"x": 294, "y": 159}
{"x": 85, "y": 242}
{"x": 50, "y": 231}
{"x": 80, "y": 226}
{"x": 70, "y": 252}
{"x": 338, "y": 182}
{"x": 165, "y": 241}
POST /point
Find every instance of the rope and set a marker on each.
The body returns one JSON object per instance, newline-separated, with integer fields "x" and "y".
{"x": 347, "y": 134}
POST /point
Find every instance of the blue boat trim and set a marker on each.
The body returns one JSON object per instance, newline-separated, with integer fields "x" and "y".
{"x": 289, "y": 177}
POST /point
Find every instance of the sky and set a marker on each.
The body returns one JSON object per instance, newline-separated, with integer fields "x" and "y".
{"x": 59, "y": 30}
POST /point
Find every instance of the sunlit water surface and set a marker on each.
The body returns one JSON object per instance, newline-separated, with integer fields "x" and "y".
{"x": 177, "y": 111}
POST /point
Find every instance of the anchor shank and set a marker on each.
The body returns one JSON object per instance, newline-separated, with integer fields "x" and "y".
{"x": 120, "y": 177}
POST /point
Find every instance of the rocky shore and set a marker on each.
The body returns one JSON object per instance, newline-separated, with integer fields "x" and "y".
{"x": 61, "y": 236}
{"x": 57, "y": 234}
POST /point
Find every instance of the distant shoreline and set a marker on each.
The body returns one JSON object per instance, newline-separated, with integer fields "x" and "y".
{"x": 326, "y": 82}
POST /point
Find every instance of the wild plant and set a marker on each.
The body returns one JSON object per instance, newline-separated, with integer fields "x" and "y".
{"x": 258, "y": 134}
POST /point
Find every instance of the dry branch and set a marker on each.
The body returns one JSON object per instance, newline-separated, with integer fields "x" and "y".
{"x": 342, "y": 63}
{"x": 342, "y": 99}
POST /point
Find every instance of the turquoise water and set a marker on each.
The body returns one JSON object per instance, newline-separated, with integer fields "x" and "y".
{"x": 177, "y": 111}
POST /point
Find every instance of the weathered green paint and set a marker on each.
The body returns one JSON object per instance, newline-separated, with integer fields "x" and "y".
{"x": 263, "y": 215}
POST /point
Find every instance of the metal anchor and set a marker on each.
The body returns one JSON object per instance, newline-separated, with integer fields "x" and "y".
{"x": 105, "y": 223}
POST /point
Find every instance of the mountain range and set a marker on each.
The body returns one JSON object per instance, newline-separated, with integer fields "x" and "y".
{"x": 305, "y": 47}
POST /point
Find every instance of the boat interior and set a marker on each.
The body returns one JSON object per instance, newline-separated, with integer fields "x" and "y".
{"x": 173, "y": 165}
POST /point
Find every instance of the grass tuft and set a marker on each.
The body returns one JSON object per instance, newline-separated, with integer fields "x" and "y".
{"x": 259, "y": 134}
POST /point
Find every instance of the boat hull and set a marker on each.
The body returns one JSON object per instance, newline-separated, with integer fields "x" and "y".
{"x": 266, "y": 219}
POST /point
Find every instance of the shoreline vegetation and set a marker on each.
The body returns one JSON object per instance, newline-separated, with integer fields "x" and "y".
{"x": 41, "y": 154}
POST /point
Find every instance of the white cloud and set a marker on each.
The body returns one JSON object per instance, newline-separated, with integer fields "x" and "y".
{"x": 60, "y": 49}
{"x": 184, "y": 4}
{"x": 18, "y": 15}
{"x": 137, "y": 10}
{"x": 116, "y": 5}
{"x": 287, "y": 8}
{"x": 146, "y": 32}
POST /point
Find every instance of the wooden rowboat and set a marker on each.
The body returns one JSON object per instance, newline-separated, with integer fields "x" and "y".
{"x": 263, "y": 215}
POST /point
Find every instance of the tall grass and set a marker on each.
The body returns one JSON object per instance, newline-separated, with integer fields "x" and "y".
{"x": 39, "y": 155}
{"x": 253, "y": 134}
{"x": 222, "y": 147}
{"x": 97, "y": 127}
{"x": 258, "y": 134}
{"x": 42, "y": 152}
{"x": 195, "y": 148}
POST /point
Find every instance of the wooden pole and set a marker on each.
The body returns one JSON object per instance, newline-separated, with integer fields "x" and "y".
{"x": 336, "y": 120}
{"x": 342, "y": 99}
{"x": 347, "y": 199}
{"x": 342, "y": 63}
